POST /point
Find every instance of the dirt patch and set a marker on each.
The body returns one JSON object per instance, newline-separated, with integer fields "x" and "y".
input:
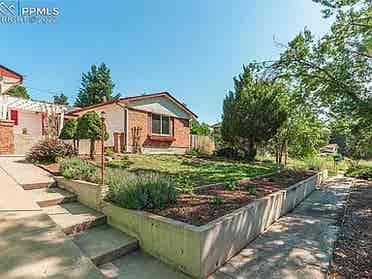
{"x": 210, "y": 203}
{"x": 353, "y": 250}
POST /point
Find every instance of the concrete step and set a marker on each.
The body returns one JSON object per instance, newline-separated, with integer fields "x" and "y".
{"x": 104, "y": 243}
{"x": 74, "y": 217}
{"x": 37, "y": 185}
{"x": 139, "y": 265}
{"x": 52, "y": 196}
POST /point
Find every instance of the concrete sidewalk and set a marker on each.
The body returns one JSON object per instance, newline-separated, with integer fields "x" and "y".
{"x": 24, "y": 173}
{"x": 31, "y": 245}
{"x": 300, "y": 244}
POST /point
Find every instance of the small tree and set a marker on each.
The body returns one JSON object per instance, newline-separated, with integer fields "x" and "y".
{"x": 18, "y": 91}
{"x": 252, "y": 113}
{"x": 89, "y": 126}
{"x": 69, "y": 132}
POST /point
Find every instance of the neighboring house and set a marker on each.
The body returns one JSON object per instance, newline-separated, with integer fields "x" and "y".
{"x": 8, "y": 79}
{"x": 216, "y": 128}
{"x": 29, "y": 118}
{"x": 153, "y": 123}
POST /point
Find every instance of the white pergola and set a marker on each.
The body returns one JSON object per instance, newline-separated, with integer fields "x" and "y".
{"x": 8, "y": 103}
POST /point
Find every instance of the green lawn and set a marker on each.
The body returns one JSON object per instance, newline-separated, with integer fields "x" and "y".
{"x": 191, "y": 171}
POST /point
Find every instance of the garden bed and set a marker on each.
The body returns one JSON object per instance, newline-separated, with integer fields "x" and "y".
{"x": 209, "y": 203}
{"x": 198, "y": 249}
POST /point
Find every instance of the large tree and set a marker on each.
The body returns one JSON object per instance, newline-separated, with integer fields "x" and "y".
{"x": 18, "y": 91}
{"x": 253, "y": 112}
{"x": 96, "y": 86}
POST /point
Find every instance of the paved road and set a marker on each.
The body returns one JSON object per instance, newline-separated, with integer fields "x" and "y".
{"x": 300, "y": 244}
{"x": 31, "y": 245}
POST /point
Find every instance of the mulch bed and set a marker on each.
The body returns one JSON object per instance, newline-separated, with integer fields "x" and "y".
{"x": 201, "y": 207}
{"x": 353, "y": 250}
{"x": 51, "y": 168}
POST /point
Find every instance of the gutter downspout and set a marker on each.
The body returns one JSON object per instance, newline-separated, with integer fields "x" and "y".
{"x": 125, "y": 110}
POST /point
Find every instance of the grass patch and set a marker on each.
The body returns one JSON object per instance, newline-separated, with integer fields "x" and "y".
{"x": 189, "y": 172}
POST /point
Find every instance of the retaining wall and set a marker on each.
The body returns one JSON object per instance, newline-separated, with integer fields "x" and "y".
{"x": 199, "y": 251}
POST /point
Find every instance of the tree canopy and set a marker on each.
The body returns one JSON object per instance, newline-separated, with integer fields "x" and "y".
{"x": 253, "y": 112}
{"x": 201, "y": 129}
{"x": 89, "y": 126}
{"x": 333, "y": 75}
{"x": 60, "y": 99}
{"x": 69, "y": 130}
{"x": 18, "y": 91}
{"x": 96, "y": 86}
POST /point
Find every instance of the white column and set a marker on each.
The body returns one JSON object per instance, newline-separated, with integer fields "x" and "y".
{"x": 61, "y": 121}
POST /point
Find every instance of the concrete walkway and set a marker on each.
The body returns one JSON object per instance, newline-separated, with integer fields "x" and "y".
{"x": 23, "y": 173}
{"x": 31, "y": 245}
{"x": 300, "y": 244}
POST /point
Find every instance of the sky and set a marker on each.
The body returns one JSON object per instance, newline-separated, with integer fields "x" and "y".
{"x": 190, "y": 48}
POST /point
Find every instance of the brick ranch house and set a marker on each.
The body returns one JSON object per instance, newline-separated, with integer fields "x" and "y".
{"x": 22, "y": 122}
{"x": 153, "y": 123}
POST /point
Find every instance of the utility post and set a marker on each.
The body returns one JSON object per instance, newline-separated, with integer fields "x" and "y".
{"x": 102, "y": 188}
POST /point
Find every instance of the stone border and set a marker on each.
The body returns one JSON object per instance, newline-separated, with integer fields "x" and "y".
{"x": 200, "y": 250}
{"x": 88, "y": 193}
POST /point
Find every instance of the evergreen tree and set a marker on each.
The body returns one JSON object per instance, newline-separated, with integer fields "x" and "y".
{"x": 253, "y": 113}
{"x": 61, "y": 99}
{"x": 96, "y": 86}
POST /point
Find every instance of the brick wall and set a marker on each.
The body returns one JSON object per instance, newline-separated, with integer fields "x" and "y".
{"x": 6, "y": 137}
{"x": 141, "y": 120}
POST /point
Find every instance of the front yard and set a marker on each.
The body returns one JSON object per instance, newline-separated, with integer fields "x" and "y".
{"x": 192, "y": 171}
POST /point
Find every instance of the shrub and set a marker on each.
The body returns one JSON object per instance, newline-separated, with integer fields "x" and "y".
{"x": 48, "y": 151}
{"x": 146, "y": 191}
{"x": 360, "y": 171}
{"x": 76, "y": 168}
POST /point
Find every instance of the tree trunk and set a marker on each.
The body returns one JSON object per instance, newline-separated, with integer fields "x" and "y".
{"x": 92, "y": 148}
{"x": 251, "y": 150}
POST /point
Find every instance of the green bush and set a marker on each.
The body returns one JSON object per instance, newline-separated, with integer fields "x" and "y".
{"x": 76, "y": 168}
{"x": 360, "y": 171}
{"x": 48, "y": 151}
{"x": 146, "y": 191}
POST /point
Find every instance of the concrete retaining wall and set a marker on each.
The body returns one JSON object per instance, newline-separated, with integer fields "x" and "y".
{"x": 88, "y": 193}
{"x": 199, "y": 251}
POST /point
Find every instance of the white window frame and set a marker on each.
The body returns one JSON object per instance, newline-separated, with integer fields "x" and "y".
{"x": 161, "y": 125}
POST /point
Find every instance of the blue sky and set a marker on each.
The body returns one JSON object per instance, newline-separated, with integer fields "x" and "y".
{"x": 191, "y": 48}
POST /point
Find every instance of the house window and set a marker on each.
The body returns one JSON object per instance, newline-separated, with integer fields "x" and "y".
{"x": 160, "y": 124}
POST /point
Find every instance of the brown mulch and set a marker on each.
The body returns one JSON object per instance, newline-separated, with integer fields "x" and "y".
{"x": 201, "y": 207}
{"x": 353, "y": 250}
{"x": 51, "y": 168}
